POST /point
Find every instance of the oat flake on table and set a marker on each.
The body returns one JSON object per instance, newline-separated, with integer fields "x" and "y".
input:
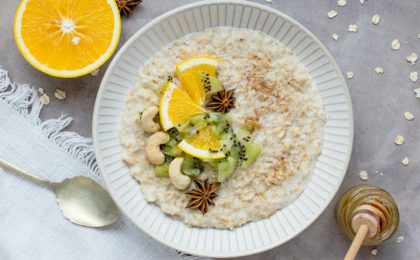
{"x": 395, "y": 44}
{"x": 414, "y": 76}
{"x": 417, "y": 92}
{"x": 335, "y": 37}
{"x": 95, "y": 73}
{"x": 405, "y": 161}
{"x": 350, "y": 74}
{"x": 376, "y": 19}
{"x": 408, "y": 116}
{"x": 60, "y": 94}
{"x": 362, "y": 1}
{"x": 379, "y": 70}
{"x": 363, "y": 175}
{"x": 341, "y": 3}
{"x": 399, "y": 239}
{"x": 399, "y": 140}
{"x": 45, "y": 99}
{"x": 331, "y": 14}
{"x": 40, "y": 91}
{"x": 353, "y": 28}
{"x": 412, "y": 58}
{"x": 374, "y": 251}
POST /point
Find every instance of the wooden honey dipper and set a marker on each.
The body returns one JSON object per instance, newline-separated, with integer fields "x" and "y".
{"x": 369, "y": 220}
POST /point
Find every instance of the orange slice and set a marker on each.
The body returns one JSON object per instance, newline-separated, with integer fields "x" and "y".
{"x": 190, "y": 71}
{"x": 205, "y": 145}
{"x": 176, "y": 107}
{"x": 67, "y": 38}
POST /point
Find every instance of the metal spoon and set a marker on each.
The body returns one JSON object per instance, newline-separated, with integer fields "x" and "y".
{"x": 81, "y": 200}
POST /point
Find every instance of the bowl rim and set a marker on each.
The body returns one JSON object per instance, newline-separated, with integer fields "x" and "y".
{"x": 165, "y": 15}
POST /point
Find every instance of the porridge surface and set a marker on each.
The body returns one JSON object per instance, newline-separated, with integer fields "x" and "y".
{"x": 272, "y": 90}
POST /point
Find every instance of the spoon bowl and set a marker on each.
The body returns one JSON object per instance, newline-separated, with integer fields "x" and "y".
{"x": 85, "y": 202}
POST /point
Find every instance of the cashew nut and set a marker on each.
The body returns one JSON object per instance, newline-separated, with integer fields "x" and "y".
{"x": 153, "y": 153}
{"x": 147, "y": 122}
{"x": 179, "y": 180}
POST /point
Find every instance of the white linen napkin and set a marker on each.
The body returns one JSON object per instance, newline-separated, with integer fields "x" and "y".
{"x": 31, "y": 225}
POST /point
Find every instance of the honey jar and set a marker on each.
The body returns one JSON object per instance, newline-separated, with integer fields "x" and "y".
{"x": 371, "y": 206}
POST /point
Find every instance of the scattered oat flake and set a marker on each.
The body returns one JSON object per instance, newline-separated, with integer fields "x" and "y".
{"x": 405, "y": 161}
{"x": 268, "y": 1}
{"x": 399, "y": 140}
{"x": 341, "y": 2}
{"x": 95, "y": 72}
{"x": 362, "y": 1}
{"x": 45, "y": 99}
{"x": 353, "y": 28}
{"x": 400, "y": 239}
{"x": 60, "y": 94}
{"x": 375, "y": 19}
{"x": 408, "y": 116}
{"x": 395, "y": 44}
{"x": 414, "y": 76}
{"x": 363, "y": 175}
{"x": 350, "y": 74}
{"x": 379, "y": 70}
{"x": 417, "y": 91}
{"x": 335, "y": 37}
{"x": 40, "y": 91}
{"x": 374, "y": 251}
{"x": 412, "y": 58}
{"x": 331, "y": 14}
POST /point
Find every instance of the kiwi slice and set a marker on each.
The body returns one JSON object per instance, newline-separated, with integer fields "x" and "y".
{"x": 225, "y": 168}
{"x": 171, "y": 148}
{"x": 211, "y": 84}
{"x": 162, "y": 170}
{"x": 213, "y": 163}
{"x": 196, "y": 123}
{"x": 251, "y": 154}
{"x": 193, "y": 173}
{"x": 243, "y": 135}
{"x": 173, "y": 132}
{"x": 192, "y": 166}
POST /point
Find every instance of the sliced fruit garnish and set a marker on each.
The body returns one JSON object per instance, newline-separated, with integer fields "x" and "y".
{"x": 162, "y": 170}
{"x": 252, "y": 151}
{"x": 194, "y": 74}
{"x": 204, "y": 145}
{"x": 192, "y": 166}
{"x": 176, "y": 107}
{"x": 67, "y": 38}
{"x": 225, "y": 168}
{"x": 170, "y": 148}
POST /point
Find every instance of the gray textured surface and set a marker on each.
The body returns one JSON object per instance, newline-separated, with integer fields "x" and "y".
{"x": 378, "y": 101}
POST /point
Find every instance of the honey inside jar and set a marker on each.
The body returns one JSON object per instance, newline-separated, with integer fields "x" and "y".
{"x": 368, "y": 201}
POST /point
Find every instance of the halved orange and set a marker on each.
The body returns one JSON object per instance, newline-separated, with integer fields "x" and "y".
{"x": 67, "y": 38}
{"x": 205, "y": 145}
{"x": 176, "y": 107}
{"x": 190, "y": 71}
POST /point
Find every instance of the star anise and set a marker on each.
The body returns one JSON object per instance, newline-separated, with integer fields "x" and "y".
{"x": 203, "y": 195}
{"x": 126, "y": 6}
{"x": 222, "y": 101}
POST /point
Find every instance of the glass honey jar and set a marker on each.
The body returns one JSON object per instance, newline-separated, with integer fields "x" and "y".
{"x": 361, "y": 196}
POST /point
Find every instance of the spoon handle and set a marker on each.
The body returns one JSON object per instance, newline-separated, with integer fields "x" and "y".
{"x": 24, "y": 173}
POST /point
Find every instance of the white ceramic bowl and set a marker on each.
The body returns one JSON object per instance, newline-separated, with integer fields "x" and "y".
{"x": 253, "y": 237}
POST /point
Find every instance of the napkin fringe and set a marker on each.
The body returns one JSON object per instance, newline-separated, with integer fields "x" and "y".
{"x": 24, "y": 99}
